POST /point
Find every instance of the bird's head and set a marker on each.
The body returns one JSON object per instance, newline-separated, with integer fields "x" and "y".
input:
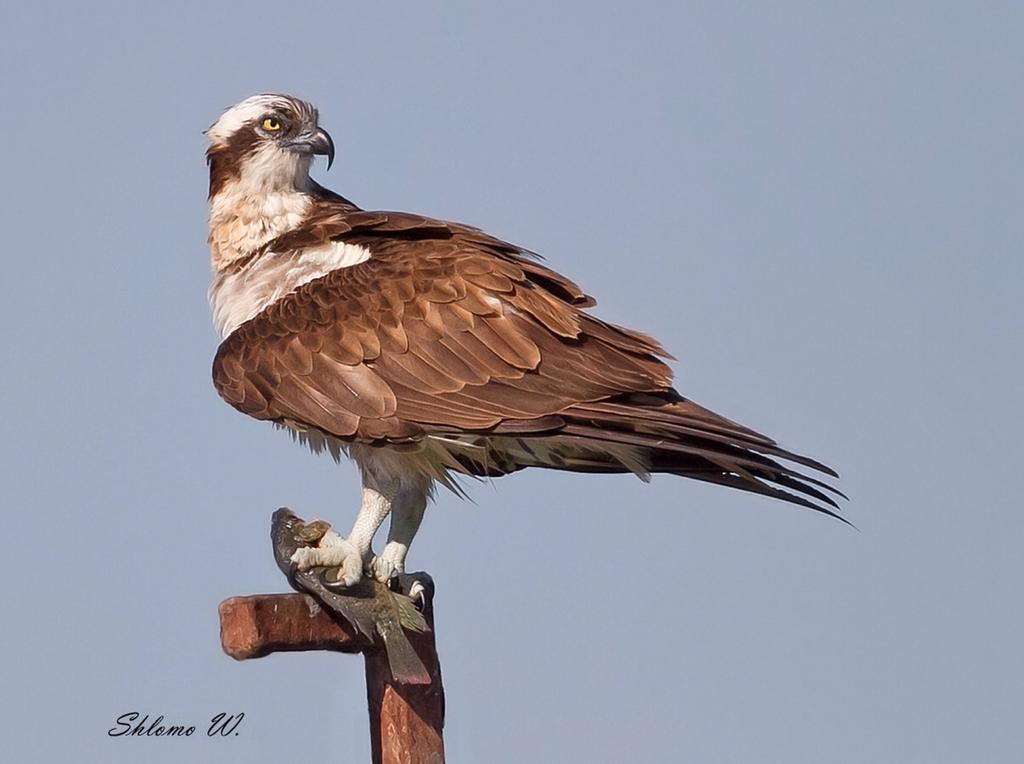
{"x": 266, "y": 144}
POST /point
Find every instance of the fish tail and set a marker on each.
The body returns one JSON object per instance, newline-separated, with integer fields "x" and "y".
{"x": 406, "y": 666}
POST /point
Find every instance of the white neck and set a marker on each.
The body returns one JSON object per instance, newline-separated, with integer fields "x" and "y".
{"x": 270, "y": 197}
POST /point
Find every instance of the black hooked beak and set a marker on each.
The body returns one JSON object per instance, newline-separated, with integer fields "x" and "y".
{"x": 323, "y": 145}
{"x": 318, "y": 143}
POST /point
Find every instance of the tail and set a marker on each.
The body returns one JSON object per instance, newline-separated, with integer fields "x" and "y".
{"x": 670, "y": 434}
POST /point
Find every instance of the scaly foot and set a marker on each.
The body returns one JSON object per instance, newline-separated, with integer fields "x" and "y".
{"x": 333, "y": 551}
{"x": 389, "y": 563}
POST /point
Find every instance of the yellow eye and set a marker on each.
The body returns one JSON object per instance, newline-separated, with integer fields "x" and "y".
{"x": 271, "y": 125}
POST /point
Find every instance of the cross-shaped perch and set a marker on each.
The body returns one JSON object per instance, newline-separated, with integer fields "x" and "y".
{"x": 406, "y": 719}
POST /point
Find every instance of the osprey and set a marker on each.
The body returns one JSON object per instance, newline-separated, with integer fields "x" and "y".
{"x": 425, "y": 349}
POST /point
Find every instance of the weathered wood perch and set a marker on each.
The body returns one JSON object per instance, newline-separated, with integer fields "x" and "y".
{"x": 406, "y": 720}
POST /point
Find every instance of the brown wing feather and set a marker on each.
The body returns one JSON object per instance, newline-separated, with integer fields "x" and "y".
{"x": 465, "y": 330}
{"x": 448, "y": 331}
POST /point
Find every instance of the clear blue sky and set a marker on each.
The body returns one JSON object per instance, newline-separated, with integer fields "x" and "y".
{"x": 817, "y": 209}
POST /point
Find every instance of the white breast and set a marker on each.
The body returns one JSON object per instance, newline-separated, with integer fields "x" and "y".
{"x": 238, "y": 296}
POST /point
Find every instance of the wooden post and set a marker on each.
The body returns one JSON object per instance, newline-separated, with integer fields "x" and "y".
{"x": 406, "y": 721}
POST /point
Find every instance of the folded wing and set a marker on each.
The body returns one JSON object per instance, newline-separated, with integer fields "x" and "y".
{"x": 450, "y": 334}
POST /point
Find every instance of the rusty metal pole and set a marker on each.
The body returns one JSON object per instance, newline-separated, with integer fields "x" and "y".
{"x": 406, "y": 721}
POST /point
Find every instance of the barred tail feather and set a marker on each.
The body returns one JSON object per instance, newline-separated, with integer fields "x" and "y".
{"x": 676, "y": 436}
